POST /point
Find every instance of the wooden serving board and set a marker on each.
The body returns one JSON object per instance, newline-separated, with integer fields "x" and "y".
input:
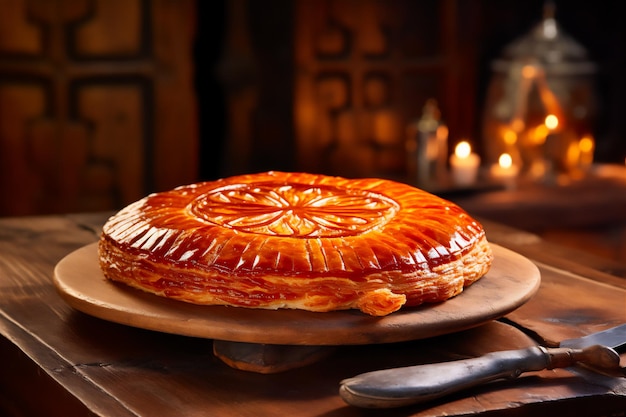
{"x": 511, "y": 282}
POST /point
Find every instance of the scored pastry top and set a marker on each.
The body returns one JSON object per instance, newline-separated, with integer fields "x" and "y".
{"x": 296, "y": 224}
{"x": 293, "y": 209}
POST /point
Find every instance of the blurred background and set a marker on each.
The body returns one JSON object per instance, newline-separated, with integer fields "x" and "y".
{"x": 104, "y": 101}
{"x": 335, "y": 83}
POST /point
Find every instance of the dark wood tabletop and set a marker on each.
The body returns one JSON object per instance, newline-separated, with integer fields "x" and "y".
{"x": 57, "y": 361}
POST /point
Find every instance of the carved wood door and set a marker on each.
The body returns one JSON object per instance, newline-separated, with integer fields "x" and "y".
{"x": 96, "y": 102}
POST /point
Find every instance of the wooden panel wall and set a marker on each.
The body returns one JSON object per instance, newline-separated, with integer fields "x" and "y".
{"x": 96, "y": 102}
{"x": 364, "y": 70}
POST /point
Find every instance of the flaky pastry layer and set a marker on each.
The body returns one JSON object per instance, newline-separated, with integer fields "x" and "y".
{"x": 292, "y": 240}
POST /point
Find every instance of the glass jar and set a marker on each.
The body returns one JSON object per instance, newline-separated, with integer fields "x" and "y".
{"x": 540, "y": 104}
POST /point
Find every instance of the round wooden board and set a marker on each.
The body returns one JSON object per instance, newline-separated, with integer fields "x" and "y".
{"x": 511, "y": 282}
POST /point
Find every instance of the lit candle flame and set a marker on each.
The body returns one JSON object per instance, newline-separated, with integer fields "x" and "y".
{"x": 505, "y": 160}
{"x": 463, "y": 150}
{"x": 551, "y": 121}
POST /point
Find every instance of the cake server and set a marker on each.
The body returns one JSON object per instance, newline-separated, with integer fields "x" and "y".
{"x": 399, "y": 387}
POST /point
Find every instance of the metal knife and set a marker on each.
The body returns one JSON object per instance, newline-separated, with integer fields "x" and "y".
{"x": 399, "y": 387}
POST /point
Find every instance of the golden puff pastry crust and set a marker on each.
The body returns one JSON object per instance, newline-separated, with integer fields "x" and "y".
{"x": 294, "y": 240}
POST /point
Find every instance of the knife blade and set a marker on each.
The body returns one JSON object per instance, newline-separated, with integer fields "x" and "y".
{"x": 398, "y": 387}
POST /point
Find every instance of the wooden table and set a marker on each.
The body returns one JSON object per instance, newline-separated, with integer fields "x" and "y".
{"x": 587, "y": 214}
{"x": 59, "y": 362}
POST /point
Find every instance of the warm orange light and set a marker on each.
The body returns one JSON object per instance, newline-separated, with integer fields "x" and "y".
{"x": 517, "y": 125}
{"x": 585, "y": 151}
{"x": 505, "y": 160}
{"x": 573, "y": 156}
{"x": 510, "y": 137}
{"x": 529, "y": 71}
{"x": 585, "y": 144}
{"x": 551, "y": 122}
{"x": 539, "y": 134}
{"x": 442, "y": 132}
{"x": 463, "y": 150}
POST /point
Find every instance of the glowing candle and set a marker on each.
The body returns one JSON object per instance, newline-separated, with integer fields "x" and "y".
{"x": 505, "y": 171}
{"x": 464, "y": 164}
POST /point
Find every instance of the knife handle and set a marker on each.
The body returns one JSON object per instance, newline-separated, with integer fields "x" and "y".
{"x": 414, "y": 384}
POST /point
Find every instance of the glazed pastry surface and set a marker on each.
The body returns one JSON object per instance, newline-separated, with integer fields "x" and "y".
{"x": 294, "y": 240}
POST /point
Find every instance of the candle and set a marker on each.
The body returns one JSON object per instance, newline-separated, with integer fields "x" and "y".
{"x": 504, "y": 171}
{"x": 464, "y": 164}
